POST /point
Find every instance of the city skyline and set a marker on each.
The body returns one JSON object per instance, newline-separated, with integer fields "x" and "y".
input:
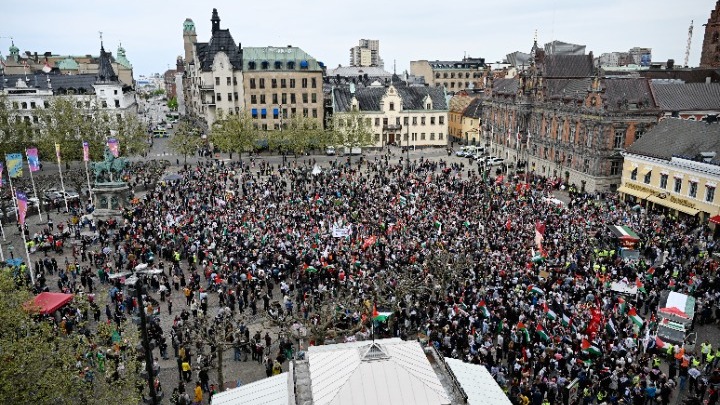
{"x": 420, "y": 30}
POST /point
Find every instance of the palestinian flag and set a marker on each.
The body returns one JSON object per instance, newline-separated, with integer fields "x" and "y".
{"x": 610, "y": 327}
{"x": 535, "y": 289}
{"x": 635, "y": 318}
{"x": 549, "y": 313}
{"x": 590, "y": 348}
{"x": 639, "y": 284}
{"x": 523, "y": 329}
{"x": 403, "y": 201}
{"x": 380, "y": 316}
{"x": 483, "y": 309}
{"x": 659, "y": 343}
{"x": 541, "y": 332}
{"x": 566, "y": 320}
{"x": 621, "y": 306}
{"x": 539, "y": 234}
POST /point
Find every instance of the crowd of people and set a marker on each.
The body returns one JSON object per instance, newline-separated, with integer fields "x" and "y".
{"x": 493, "y": 272}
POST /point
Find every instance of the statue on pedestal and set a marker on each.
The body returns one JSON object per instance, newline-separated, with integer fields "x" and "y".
{"x": 109, "y": 169}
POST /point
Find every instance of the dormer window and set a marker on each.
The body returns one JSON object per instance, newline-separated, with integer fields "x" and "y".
{"x": 265, "y": 65}
{"x": 428, "y": 106}
{"x": 251, "y": 65}
{"x": 278, "y": 65}
{"x": 291, "y": 65}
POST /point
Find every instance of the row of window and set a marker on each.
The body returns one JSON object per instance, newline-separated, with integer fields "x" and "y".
{"x": 451, "y": 75}
{"x": 262, "y": 113}
{"x": 283, "y": 98}
{"x": 414, "y": 138}
{"x": 265, "y": 65}
{"x": 452, "y": 85}
{"x": 284, "y": 83}
{"x": 405, "y": 121}
{"x": 46, "y": 104}
{"x": 230, "y": 81}
{"x": 677, "y": 185}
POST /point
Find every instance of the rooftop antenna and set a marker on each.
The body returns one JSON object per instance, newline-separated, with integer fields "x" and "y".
{"x": 101, "y": 40}
{"x": 689, "y": 42}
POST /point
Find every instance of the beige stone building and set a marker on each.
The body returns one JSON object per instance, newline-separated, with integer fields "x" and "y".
{"x": 464, "y": 115}
{"x": 414, "y": 116}
{"x": 281, "y": 82}
{"x": 454, "y": 76}
{"x": 674, "y": 168}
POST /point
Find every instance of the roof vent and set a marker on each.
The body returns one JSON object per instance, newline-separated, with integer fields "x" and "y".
{"x": 374, "y": 352}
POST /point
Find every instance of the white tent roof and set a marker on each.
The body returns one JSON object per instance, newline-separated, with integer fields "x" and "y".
{"x": 480, "y": 387}
{"x": 270, "y": 391}
{"x": 387, "y": 371}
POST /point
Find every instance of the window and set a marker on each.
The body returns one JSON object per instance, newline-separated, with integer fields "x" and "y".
{"x": 115, "y": 92}
{"x": 276, "y": 113}
{"x": 560, "y": 130}
{"x": 265, "y": 65}
{"x": 422, "y": 120}
{"x": 397, "y": 120}
{"x": 693, "y": 189}
{"x": 229, "y": 81}
{"x": 414, "y": 122}
{"x": 104, "y": 104}
{"x": 313, "y": 97}
{"x": 262, "y": 83}
{"x": 117, "y": 104}
{"x": 406, "y": 121}
{"x": 235, "y": 96}
{"x": 422, "y": 136}
{"x": 283, "y": 83}
{"x": 252, "y": 83}
{"x": 253, "y": 99}
{"x": 432, "y": 120}
{"x": 304, "y": 82}
{"x": 639, "y": 133}
{"x": 314, "y": 113}
{"x": 440, "y": 136}
{"x": 313, "y": 82}
{"x": 614, "y": 168}
{"x": 305, "y": 112}
{"x": 678, "y": 185}
{"x": 275, "y": 98}
{"x": 217, "y": 81}
{"x": 292, "y": 83}
{"x": 586, "y": 165}
{"x": 234, "y": 81}
{"x": 428, "y": 106}
{"x": 633, "y": 174}
{"x": 385, "y": 122}
{"x": 284, "y": 98}
{"x": 377, "y": 122}
{"x": 218, "y": 97}
{"x": 262, "y": 99}
{"x": 709, "y": 193}
{"x": 648, "y": 175}
{"x": 251, "y": 65}
{"x": 432, "y": 136}
{"x": 292, "y": 98}
{"x": 619, "y": 139}
{"x": 441, "y": 120}
{"x": 46, "y": 104}
{"x": 291, "y": 65}
{"x": 263, "y": 113}
{"x": 304, "y": 97}
{"x": 392, "y": 106}
{"x": 663, "y": 181}
{"x": 377, "y": 138}
{"x": 273, "y": 83}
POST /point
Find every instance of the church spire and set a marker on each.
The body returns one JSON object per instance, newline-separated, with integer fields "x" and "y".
{"x": 215, "y": 20}
{"x": 105, "y": 69}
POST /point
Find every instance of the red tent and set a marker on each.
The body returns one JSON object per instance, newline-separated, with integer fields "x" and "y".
{"x": 48, "y": 302}
{"x": 715, "y": 219}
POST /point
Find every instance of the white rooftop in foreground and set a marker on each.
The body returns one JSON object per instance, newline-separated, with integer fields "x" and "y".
{"x": 479, "y": 386}
{"x": 387, "y": 371}
{"x": 270, "y": 391}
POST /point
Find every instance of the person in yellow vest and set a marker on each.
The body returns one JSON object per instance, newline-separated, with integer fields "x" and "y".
{"x": 670, "y": 350}
{"x": 705, "y": 348}
{"x": 695, "y": 362}
{"x": 655, "y": 361}
{"x": 717, "y": 357}
{"x": 710, "y": 357}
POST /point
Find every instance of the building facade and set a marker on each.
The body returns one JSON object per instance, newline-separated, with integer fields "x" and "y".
{"x": 465, "y": 74}
{"x": 103, "y": 92}
{"x": 675, "y": 168}
{"x": 366, "y": 53}
{"x": 280, "y": 83}
{"x": 710, "y": 56}
{"x": 414, "y": 116}
{"x": 213, "y": 84}
{"x": 566, "y": 121}
{"x": 464, "y": 114}
{"x": 31, "y": 62}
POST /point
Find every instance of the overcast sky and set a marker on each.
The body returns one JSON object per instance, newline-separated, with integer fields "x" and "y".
{"x": 151, "y": 31}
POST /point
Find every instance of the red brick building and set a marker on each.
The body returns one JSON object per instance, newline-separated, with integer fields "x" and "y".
{"x": 710, "y": 56}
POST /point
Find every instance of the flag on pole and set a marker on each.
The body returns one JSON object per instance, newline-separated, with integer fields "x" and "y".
{"x": 483, "y": 309}
{"x": 33, "y": 159}
{"x": 2, "y": 168}
{"x": 47, "y": 68}
{"x": 620, "y": 307}
{"x": 86, "y": 151}
{"x": 549, "y": 313}
{"x": 14, "y": 164}
{"x": 590, "y": 348}
{"x": 22, "y": 202}
{"x": 535, "y": 289}
{"x": 566, "y": 320}
{"x": 114, "y": 147}
{"x": 380, "y": 316}
{"x": 541, "y": 332}
{"x": 635, "y": 318}
{"x": 539, "y": 234}
{"x": 57, "y": 151}
{"x": 610, "y": 327}
{"x": 659, "y": 343}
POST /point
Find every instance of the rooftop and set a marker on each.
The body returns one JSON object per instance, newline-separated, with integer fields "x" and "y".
{"x": 279, "y": 58}
{"x": 369, "y": 98}
{"x": 687, "y": 96}
{"x": 676, "y": 137}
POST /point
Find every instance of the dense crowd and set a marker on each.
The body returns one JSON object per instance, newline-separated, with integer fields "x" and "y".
{"x": 492, "y": 272}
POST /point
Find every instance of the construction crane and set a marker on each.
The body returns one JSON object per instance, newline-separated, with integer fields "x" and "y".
{"x": 689, "y": 41}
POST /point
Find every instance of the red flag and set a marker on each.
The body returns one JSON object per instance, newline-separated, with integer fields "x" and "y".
{"x": 585, "y": 344}
{"x": 508, "y": 225}
{"x": 375, "y": 312}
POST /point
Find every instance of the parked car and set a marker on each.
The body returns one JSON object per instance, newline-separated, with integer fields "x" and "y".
{"x": 330, "y": 151}
{"x": 461, "y": 152}
{"x": 56, "y": 195}
{"x": 495, "y": 161}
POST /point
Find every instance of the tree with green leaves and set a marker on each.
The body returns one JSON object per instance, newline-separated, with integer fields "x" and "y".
{"x": 42, "y": 365}
{"x": 354, "y": 130}
{"x": 234, "y": 133}
{"x": 185, "y": 140}
{"x": 300, "y": 134}
{"x": 172, "y": 104}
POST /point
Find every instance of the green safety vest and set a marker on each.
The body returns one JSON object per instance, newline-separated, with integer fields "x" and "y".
{"x": 670, "y": 349}
{"x": 656, "y": 362}
{"x": 600, "y": 396}
{"x": 705, "y": 347}
{"x": 710, "y": 357}
{"x": 695, "y": 362}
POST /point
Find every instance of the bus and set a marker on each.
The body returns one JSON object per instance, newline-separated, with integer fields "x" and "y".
{"x": 160, "y": 133}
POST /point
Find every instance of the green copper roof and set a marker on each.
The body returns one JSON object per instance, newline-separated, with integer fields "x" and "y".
{"x": 188, "y": 25}
{"x": 67, "y": 64}
{"x": 121, "y": 58}
{"x": 301, "y": 59}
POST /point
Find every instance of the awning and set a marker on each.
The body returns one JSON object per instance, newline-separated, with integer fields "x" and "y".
{"x": 48, "y": 302}
{"x": 715, "y": 219}
{"x": 639, "y": 194}
{"x": 673, "y": 206}
{"x": 621, "y": 231}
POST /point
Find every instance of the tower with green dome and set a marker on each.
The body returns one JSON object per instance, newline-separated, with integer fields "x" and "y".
{"x": 189, "y": 39}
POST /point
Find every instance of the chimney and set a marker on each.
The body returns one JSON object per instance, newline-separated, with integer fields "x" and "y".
{"x": 708, "y": 80}
{"x": 670, "y": 63}
{"x": 36, "y": 58}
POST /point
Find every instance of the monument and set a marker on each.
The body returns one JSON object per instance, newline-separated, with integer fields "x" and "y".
{"x": 110, "y": 192}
